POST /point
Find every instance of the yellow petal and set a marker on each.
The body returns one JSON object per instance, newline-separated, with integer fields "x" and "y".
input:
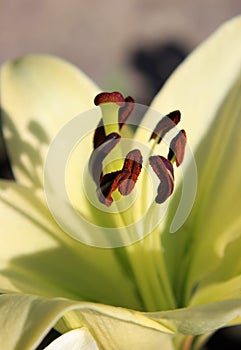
{"x": 201, "y": 83}
{"x": 38, "y": 258}
{"x": 213, "y": 292}
{"x": 203, "y": 319}
{"x": 30, "y": 318}
{"x": 206, "y": 88}
{"x": 39, "y": 94}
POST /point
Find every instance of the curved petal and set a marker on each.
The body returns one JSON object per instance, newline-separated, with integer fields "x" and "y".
{"x": 213, "y": 292}
{"x": 200, "y": 84}
{"x": 203, "y": 319}
{"x": 30, "y": 318}
{"x": 206, "y": 88}
{"x": 39, "y": 94}
{"x": 38, "y": 258}
{"x": 77, "y": 339}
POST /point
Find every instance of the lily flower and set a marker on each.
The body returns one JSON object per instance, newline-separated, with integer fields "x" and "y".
{"x": 83, "y": 268}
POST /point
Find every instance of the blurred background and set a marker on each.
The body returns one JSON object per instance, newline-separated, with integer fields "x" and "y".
{"x": 128, "y": 45}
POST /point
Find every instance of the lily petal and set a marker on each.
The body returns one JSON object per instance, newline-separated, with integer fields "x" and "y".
{"x": 78, "y": 339}
{"x": 213, "y": 292}
{"x": 38, "y": 258}
{"x": 203, "y": 318}
{"x": 200, "y": 84}
{"x": 206, "y": 88}
{"x": 30, "y": 318}
{"x": 39, "y": 94}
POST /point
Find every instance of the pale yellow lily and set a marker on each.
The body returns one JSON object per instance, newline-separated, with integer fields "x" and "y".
{"x": 173, "y": 289}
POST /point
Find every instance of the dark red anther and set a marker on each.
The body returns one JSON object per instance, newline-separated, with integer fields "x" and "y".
{"x": 109, "y": 183}
{"x": 124, "y": 180}
{"x": 130, "y": 171}
{"x": 110, "y": 97}
{"x": 177, "y": 147}
{"x": 99, "y": 135}
{"x": 126, "y": 111}
{"x": 99, "y": 154}
{"x": 166, "y": 124}
{"x": 164, "y": 170}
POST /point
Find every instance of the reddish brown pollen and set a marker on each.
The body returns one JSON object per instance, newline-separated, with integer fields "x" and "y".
{"x": 109, "y": 183}
{"x": 99, "y": 154}
{"x": 127, "y": 106}
{"x": 131, "y": 170}
{"x": 166, "y": 124}
{"x": 110, "y": 97}
{"x": 99, "y": 135}
{"x": 177, "y": 147}
{"x": 126, "y": 111}
{"x": 164, "y": 170}
{"x": 124, "y": 180}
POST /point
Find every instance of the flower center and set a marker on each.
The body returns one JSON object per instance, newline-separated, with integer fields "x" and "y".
{"x": 122, "y": 174}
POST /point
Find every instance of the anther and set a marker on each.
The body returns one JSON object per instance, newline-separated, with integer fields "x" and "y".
{"x": 126, "y": 111}
{"x": 177, "y": 147}
{"x": 165, "y": 124}
{"x": 131, "y": 170}
{"x": 124, "y": 180}
{"x": 99, "y": 154}
{"x": 110, "y": 97}
{"x": 164, "y": 170}
{"x": 109, "y": 103}
{"x": 99, "y": 135}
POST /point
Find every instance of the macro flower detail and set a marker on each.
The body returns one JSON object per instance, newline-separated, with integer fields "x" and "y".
{"x": 165, "y": 125}
{"x": 177, "y": 147}
{"x": 123, "y": 180}
{"x": 166, "y": 283}
{"x": 115, "y": 107}
{"x": 164, "y": 170}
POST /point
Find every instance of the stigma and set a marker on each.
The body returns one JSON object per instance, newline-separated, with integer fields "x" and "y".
{"x": 116, "y": 110}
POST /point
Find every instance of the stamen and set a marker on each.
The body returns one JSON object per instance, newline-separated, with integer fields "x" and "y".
{"x": 110, "y": 97}
{"x": 124, "y": 180}
{"x": 109, "y": 183}
{"x": 99, "y": 154}
{"x": 110, "y": 103}
{"x": 166, "y": 124}
{"x": 126, "y": 111}
{"x": 116, "y": 110}
{"x": 177, "y": 147}
{"x": 131, "y": 170}
{"x": 99, "y": 136}
{"x": 164, "y": 170}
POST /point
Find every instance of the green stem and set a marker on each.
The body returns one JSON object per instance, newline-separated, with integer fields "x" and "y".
{"x": 146, "y": 260}
{"x": 149, "y": 270}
